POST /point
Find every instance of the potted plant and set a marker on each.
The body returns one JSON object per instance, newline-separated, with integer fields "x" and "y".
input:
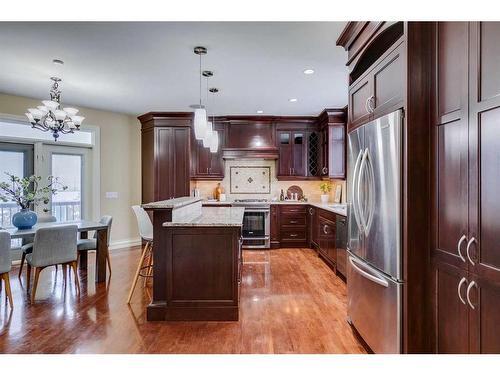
{"x": 27, "y": 193}
{"x": 325, "y": 188}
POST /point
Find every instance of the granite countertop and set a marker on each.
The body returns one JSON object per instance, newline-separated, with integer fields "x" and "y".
{"x": 338, "y": 208}
{"x": 172, "y": 203}
{"x": 212, "y": 217}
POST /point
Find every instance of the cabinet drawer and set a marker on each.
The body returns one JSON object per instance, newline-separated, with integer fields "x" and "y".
{"x": 293, "y": 219}
{"x": 289, "y": 234}
{"x": 298, "y": 209}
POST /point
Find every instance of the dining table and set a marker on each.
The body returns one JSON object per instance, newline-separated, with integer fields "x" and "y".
{"x": 84, "y": 226}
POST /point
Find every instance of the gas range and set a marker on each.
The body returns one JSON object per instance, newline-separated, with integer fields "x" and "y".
{"x": 251, "y": 203}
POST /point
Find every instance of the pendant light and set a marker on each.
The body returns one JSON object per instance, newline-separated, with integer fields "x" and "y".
{"x": 207, "y": 137}
{"x": 200, "y": 114}
{"x": 214, "y": 139}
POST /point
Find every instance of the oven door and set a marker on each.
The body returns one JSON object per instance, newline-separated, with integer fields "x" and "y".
{"x": 254, "y": 223}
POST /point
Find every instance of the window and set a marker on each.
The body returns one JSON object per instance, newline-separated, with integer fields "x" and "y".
{"x": 67, "y": 204}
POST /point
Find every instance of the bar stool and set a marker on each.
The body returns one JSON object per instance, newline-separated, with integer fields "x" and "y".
{"x": 5, "y": 264}
{"x": 145, "y": 266}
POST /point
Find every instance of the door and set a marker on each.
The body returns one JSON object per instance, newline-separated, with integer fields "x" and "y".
{"x": 482, "y": 250}
{"x": 203, "y": 159}
{"x": 72, "y": 167}
{"x": 380, "y": 205}
{"x": 15, "y": 159}
{"x": 355, "y": 153}
{"x": 374, "y": 306}
{"x": 180, "y": 158}
{"x": 450, "y": 309}
{"x": 336, "y": 155}
{"x": 298, "y": 154}
{"x": 359, "y": 96}
{"x": 483, "y": 299}
{"x": 450, "y": 135}
{"x": 285, "y": 153}
{"x": 326, "y": 239}
{"x": 313, "y": 226}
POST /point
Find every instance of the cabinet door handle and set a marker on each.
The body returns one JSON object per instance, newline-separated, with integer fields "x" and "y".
{"x": 325, "y": 229}
{"x": 471, "y": 241}
{"x": 324, "y": 170}
{"x": 366, "y": 105}
{"x": 293, "y": 221}
{"x": 310, "y": 211}
{"x": 459, "y": 290}
{"x": 459, "y": 245}
{"x": 371, "y": 103}
{"x": 473, "y": 283}
{"x": 293, "y": 235}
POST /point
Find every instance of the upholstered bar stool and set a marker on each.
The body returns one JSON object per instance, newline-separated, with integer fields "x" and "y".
{"x": 145, "y": 266}
{"x": 5, "y": 264}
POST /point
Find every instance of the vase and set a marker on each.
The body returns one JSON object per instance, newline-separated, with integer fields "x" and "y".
{"x": 24, "y": 219}
{"x": 324, "y": 198}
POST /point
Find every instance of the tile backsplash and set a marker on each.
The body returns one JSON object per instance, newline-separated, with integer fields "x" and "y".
{"x": 253, "y": 166}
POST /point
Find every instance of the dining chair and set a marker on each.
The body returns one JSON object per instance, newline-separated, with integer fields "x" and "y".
{"x": 87, "y": 244}
{"x": 5, "y": 264}
{"x": 145, "y": 266}
{"x": 52, "y": 246}
{"x": 27, "y": 248}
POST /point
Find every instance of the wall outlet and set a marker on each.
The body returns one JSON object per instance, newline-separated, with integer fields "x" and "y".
{"x": 112, "y": 194}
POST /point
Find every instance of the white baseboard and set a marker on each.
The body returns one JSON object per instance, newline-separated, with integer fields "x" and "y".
{"x": 125, "y": 243}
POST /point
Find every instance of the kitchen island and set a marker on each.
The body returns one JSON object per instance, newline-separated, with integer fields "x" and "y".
{"x": 197, "y": 261}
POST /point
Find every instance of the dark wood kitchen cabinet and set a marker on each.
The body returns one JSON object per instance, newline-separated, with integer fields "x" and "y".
{"x": 466, "y": 160}
{"x": 292, "y": 153}
{"x": 165, "y": 155}
{"x": 378, "y": 91}
{"x": 332, "y": 124}
{"x": 326, "y": 238}
{"x": 313, "y": 226}
{"x": 206, "y": 165}
{"x": 275, "y": 227}
{"x": 293, "y": 225}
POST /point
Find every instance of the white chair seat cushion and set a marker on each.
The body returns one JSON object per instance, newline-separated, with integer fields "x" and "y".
{"x": 86, "y": 244}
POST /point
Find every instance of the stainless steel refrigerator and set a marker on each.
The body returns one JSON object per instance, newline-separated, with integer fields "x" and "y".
{"x": 374, "y": 273}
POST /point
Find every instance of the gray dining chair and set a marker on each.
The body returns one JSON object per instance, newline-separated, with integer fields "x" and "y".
{"x": 87, "y": 244}
{"x": 145, "y": 266}
{"x": 27, "y": 248}
{"x": 5, "y": 264}
{"x": 52, "y": 246}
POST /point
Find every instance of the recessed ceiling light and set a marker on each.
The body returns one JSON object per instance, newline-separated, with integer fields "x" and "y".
{"x": 260, "y": 111}
{"x": 292, "y": 100}
{"x": 309, "y": 71}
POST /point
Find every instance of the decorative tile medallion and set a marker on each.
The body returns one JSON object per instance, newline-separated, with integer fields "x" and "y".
{"x": 250, "y": 180}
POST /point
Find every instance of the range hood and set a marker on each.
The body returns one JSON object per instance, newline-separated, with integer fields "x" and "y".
{"x": 250, "y": 153}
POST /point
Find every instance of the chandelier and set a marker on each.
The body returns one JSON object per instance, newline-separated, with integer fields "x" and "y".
{"x": 51, "y": 116}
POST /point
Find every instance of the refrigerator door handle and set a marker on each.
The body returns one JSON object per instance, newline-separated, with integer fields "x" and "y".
{"x": 371, "y": 194}
{"x": 355, "y": 189}
{"x": 361, "y": 209}
{"x": 367, "y": 275}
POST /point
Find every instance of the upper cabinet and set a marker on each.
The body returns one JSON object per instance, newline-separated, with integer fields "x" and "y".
{"x": 206, "y": 165}
{"x": 332, "y": 125}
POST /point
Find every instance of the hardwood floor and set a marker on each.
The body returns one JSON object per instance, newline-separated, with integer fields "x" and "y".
{"x": 291, "y": 302}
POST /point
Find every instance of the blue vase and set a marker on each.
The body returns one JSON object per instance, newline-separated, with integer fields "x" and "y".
{"x": 24, "y": 219}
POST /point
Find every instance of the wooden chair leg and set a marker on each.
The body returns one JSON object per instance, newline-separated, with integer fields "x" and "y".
{"x": 77, "y": 282}
{"x": 136, "y": 276}
{"x": 108, "y": 260}
{"x": 35, "y": 283}
{"x": 23, "y": 257}
{"x": 149, "y": 262}
{"x": 8, "y": 292}
{"x": 28, "y": 276}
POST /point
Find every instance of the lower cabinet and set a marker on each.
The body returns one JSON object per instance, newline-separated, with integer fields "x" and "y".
{"x": 293, "y": 225}
{"x": 275, "y": 227}
{"x": 313, "y": 227}
{"x": 465, "y": 312}
{"x": 341, "y": 244}
{"x": 326, "y": 238}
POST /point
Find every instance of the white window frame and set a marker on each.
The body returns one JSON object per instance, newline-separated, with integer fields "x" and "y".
{"x": 95, "y": 207}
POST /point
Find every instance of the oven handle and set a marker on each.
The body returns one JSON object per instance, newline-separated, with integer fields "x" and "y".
{"x": 265, "y": 210}
{"x": 256, "y": 238}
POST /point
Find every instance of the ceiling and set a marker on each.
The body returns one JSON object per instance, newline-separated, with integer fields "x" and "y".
{"x": 137, "y": 67}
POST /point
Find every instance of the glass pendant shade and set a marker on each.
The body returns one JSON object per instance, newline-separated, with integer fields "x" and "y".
{"x": 208, "y": 135}
{"x": 77, "y": 120}
{"x": 30, "y": 117}
{"x": 214, "y": 142}
{"x": 200, "y": 123}
{"x": 43, "y": 108}
{"x": 50, "y": 104}
{"x": 70, "y": 111}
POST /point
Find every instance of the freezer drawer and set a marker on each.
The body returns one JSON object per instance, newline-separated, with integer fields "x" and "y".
{"x": 374, "y": 306}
